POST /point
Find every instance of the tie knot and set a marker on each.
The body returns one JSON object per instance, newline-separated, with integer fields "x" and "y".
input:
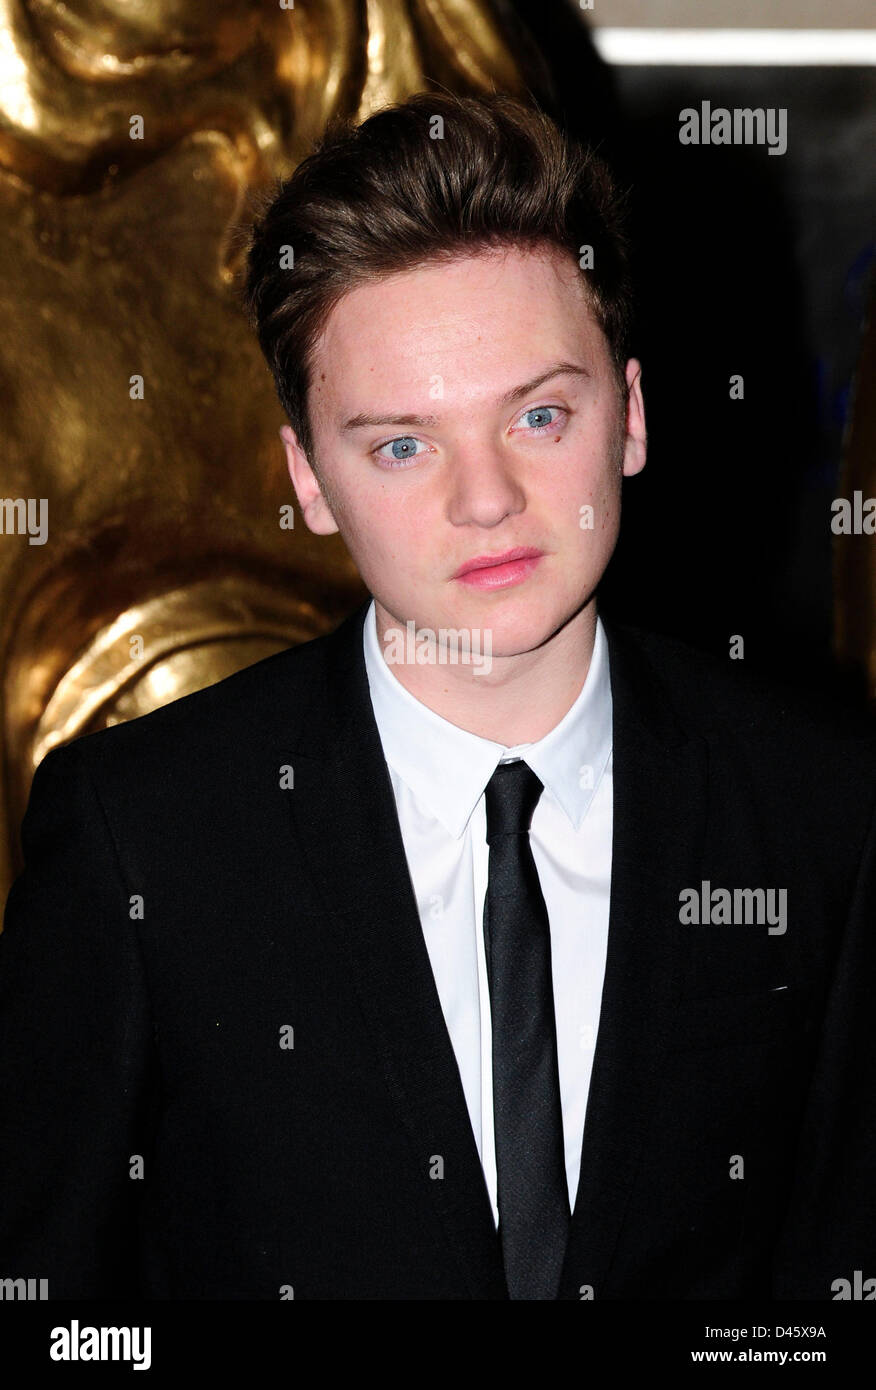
{"x": 511, "y": 797}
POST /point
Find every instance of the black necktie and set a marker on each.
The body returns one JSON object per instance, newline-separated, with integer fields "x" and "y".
{"x": 533, "y": 1195}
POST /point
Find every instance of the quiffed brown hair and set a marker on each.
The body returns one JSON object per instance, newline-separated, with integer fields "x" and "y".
{"x": 387, "y": 195}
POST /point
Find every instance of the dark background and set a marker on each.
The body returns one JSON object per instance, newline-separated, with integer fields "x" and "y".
{"x": 745, "y": 263}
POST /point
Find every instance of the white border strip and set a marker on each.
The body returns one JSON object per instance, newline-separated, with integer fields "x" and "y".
{"x": 737, "y": 47}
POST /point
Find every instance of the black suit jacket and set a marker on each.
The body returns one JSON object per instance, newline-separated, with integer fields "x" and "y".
{"x": 181, "y": 907}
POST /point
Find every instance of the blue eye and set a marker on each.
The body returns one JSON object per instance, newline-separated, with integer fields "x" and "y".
{"x": 403, "y": 448}
{"x": 541, "y": 411}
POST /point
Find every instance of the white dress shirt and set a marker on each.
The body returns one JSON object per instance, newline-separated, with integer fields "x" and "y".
{"x": 439, "y": 772}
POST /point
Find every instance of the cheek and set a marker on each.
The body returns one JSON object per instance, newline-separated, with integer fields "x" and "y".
{"x": 607, "y": 507}
{"x": 378, "y": 534}
{"x": 590, "y": 513}
{"x": 593, "y": 482}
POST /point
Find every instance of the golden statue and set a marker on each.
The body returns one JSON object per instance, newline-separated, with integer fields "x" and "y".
{"x": 149, "y": 546}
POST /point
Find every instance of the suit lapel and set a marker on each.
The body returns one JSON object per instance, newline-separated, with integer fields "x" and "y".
{"x": 344, "y": 816}
{"x": 660, "y": 779}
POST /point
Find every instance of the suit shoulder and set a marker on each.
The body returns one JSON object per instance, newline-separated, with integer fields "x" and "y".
{"x": 719, "y": 696}
{"x": 241, "y": 709}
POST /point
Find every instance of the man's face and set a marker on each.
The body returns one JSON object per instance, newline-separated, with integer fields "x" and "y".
{"x": 491, "y": 463}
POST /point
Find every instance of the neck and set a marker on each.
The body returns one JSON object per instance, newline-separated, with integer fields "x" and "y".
{"x": 520, "y": 698}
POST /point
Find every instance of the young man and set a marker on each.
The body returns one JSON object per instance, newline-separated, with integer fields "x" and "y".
{"x": 483, "y": 948}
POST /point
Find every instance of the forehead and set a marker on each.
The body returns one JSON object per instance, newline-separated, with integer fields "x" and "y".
{"x": 470, "y": 325}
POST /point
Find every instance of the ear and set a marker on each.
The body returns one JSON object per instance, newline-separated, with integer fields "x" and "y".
{"x": 311, "y": 499}
{"x": 636, "y": 441}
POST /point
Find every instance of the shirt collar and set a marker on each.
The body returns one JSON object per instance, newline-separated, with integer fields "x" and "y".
{"x": 447, "y": 768}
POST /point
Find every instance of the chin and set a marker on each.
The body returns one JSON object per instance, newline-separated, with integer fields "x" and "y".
{"x": 513, "y": 634}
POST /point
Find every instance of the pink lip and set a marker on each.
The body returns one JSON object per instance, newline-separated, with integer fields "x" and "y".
{"x": 499, "y": 571}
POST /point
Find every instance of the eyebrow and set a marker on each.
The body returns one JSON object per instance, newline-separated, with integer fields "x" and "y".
{"x": 363, "y": 420}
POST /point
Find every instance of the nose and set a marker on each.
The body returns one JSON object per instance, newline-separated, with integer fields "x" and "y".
{"x": 485, "y": 487}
